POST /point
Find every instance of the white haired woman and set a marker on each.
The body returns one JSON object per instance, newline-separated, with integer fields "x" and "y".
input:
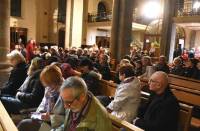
{"x": 18, "y": 73}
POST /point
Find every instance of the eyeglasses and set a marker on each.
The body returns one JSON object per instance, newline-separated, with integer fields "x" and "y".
{"x": 69, "y": 103}
{"x": 153, "y": 81}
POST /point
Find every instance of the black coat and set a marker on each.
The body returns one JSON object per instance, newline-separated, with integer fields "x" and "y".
{"x": 162, "y": 67}
{"x": 16, "y": 79}
{"x": 160, "y": 113}
{"x": 32, "y": 92}
{"x": 104, "y": 70}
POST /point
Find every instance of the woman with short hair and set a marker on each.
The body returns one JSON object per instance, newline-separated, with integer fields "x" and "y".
{"x": 18, "y": 73}
{"x": 51, "y": 78}
{"x": 127, "y": 96}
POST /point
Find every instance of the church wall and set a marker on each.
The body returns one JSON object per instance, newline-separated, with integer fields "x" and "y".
{"x": 77, "y": 23}
{"x": 92, "y": 32}
{"x": 40, "y": 18}
{"x": 187, "y": 38}
{"x": 28, "y": 18}
{"x": 197, "y": 39}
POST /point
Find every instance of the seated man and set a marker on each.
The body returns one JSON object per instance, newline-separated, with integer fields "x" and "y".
{"x": 83, "y": 111}
{"x": 103, "y": 66}
{"x": 162, "y": 111}
{"x": 90, "y": 77}
{"x": 127, "y": 95}
{"x": 162, "y": 65}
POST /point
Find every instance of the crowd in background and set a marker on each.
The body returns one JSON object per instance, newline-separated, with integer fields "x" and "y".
{"x": 37, "y": 67}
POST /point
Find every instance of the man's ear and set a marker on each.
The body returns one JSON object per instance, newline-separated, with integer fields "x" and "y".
{"x": 82, "y": 96}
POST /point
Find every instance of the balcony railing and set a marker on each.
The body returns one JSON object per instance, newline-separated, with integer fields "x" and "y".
{"x": 187, "y": 9}
{"x": 107, "y": 16}
{"x": 103, "y": 16}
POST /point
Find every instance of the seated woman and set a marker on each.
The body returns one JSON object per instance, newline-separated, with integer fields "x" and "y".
{"x": 127, "y": 95}
{"x": 138, "y": 68}
{"x": 30, "y": 93}
{"x": 177, "y": 68}
{"x": 51, "y": 78}
{"x": 122, "y": 62}
{"x": 18, "y": 73}
{"x": 147, "y": 68}
{"x": 190, "y": 68}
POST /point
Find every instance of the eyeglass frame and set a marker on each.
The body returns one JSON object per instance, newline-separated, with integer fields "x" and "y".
{"x": 153, "y": 81}
{"x": 69, "y": 103}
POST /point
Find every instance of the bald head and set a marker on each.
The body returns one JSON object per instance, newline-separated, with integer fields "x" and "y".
{"x": 158, "y": 82}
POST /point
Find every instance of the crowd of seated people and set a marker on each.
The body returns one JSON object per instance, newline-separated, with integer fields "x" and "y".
{"x": 30, "y": 93}
{"x": 72, "y": 100}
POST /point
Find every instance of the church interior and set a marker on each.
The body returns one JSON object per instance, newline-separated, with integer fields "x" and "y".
{"x": 136, "y": 61}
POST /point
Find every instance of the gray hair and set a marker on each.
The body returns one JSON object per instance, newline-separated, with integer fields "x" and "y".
{"x": 76, "y": 83}
{"x": 164, "y": 77}
{"x": 16, "y": 55}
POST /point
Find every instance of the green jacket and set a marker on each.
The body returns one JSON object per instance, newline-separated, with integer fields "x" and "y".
{"x": 96, "y": 119}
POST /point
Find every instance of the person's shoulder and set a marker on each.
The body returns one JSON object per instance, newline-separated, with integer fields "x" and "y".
{"x": 171, "y": 98}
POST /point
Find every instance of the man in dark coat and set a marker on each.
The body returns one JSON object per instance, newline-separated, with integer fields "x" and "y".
{"x": 29, "y": 95}
{"x": 162, "y": 111}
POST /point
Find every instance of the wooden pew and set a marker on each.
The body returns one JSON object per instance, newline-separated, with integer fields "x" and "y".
{"x": 185, "y": 116}
{"x": 187, "y": 90}
{"x": 108, "y": 89}
{"x": 6, "y": 124}
{"x": 117, "y": 124}
{"x": 184, "y": 83}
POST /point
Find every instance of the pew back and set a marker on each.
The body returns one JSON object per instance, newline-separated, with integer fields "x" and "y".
{"x": 185, "y": 115}
{"x": 118, "y": 124}
{"x": 6, "y": 124}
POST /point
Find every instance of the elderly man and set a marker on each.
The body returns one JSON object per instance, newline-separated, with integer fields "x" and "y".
{"x": 83, "y": 111}
{"x": 161, "y": 112}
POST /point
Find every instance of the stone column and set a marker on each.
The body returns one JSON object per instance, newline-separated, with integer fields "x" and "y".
{"x": 85, "y": 22}
{"x": 121, "y": 28}
{"x": 114, "y": 29}
{"x": 172, "y": 43}
{"x": 169, "y": 11}
{"x": 4, "y": 39}
{"x": 69, "y": 20}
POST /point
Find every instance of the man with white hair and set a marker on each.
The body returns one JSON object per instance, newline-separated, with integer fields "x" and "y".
{"x": 82, "y": 110}
{"x": 162, "y": 111}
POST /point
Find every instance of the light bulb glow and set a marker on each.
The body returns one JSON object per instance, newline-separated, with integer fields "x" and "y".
{"x": 152, "y": 9}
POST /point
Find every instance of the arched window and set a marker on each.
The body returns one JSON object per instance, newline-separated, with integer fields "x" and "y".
{"x": 101, "y": 8}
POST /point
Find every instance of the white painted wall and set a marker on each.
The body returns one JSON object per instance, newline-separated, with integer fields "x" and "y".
{"x": 187, "y": 38}
{"x": 197, "y": 39}
{"x": 28, "y": 19}
{"x": 77, "y": 23}
{"x": 92, "y": 32}
{"x": 40, "y": 18}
